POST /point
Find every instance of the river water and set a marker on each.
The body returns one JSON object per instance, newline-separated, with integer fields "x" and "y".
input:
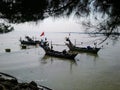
{"x": 86, "y": 72}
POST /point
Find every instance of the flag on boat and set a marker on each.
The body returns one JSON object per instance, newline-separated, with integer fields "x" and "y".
{"x": 42, "y": 34}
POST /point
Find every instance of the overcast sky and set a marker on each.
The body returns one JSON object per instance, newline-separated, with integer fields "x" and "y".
{"x": 52, "y": 25}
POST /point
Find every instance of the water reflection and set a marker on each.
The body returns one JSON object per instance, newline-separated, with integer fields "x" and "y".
{"x": 33, "y": 64}
{"x": 52, "y": 60}
{"x": 87, "y": 58}
{"x": 94, "y": 56}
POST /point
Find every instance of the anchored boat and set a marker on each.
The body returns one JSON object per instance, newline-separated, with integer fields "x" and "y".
{"x": 29, "y": 41}
{"x": 87, "y": 49}
{"x": 60, "y": 54}
{"x": 64, "y": 54}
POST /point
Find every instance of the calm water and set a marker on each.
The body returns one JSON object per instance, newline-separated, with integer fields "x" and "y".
{"x": 86, "y": 72}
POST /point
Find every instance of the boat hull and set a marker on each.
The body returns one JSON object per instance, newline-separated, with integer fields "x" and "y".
{"x": 60, "y": 54}
{"x": 29, "y": 42}
{"x": 83, "y": 49}
{"x": 87, "y": 49}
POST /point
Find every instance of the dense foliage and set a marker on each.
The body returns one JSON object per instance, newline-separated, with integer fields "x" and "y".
{"x": 18, "y": 11}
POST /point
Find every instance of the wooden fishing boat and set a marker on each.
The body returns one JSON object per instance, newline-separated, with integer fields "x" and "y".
{"x": 50, "y": 52}
{"x": 29, "y": 41}
{"x": 87, "y": 49}
{"x": 60, "y": 54}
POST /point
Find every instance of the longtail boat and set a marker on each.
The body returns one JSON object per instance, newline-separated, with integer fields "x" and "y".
{"x": 29, "y": 41}
{"x": 63, "y": 54}
{"x": 87, "y": 49}
{"x": 60, "y": 54}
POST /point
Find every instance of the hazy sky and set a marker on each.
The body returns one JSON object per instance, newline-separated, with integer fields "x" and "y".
{"x": 52, "y": 25}
{"x": 61, "y": 24}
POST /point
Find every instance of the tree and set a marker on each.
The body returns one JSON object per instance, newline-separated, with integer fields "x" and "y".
{"x": 18, "y": 11}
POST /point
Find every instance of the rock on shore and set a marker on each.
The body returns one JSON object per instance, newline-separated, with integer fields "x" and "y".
{"x": 8, "y": 82}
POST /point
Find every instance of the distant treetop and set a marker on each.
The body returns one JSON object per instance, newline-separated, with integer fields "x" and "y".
{"x": 18, "y": 11}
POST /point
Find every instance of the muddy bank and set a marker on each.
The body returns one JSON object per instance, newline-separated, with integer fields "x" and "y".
{"x": 8, "y": 82}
